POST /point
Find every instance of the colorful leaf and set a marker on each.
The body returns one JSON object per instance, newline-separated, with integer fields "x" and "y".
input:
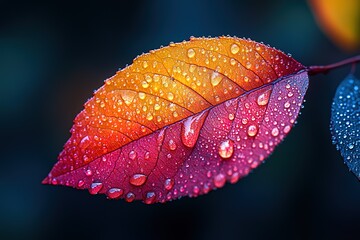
{"x": 340, "y": 20}
{"x": 183, "y": 120}
{"x": 345, "y": 122}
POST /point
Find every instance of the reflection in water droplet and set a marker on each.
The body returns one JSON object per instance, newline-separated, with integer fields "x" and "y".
{"x": 252, "y": 130}
{"x": 219, "y": 180}
{"x": 114, "y": 193}
{"x": 80, "y": 183}
{"x": 226, "y": 149}
{"x": 95, "y": 188}
{"x": 132, "y": 155}
{"x": 231, "y": 116}
{"x": 128, "y": 96}
{"x": 169, "y": 184}
{"x": 130, "y": 197}
{"x": 215, "y": 78}
{"x": 191, "y": 53}
{"x": 287, "y": 129}
{"x": 150, "y": 198}
{"x": 275, "y": 131}
{"x": 286, "y": 105}
{"x": 142, "y": 95}
{"x": 84, "y": 143}
{"x": 145, "y": 84}
{"x": 138, "y": 179}
{"x": 263, "y": 98}
{"x": 234, "y": 48}
{"x": 235, "y": 177}
{"x": 172, "y": 144}
{"x": 191, "y": 127}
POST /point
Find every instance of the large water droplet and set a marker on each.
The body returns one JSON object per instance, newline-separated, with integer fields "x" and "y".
{"x": 191, "y": 128}
{"x": 95, "y": 188}
{"x": 219, "y": 180}
{"x": 169, "y": 184}
{"x": 234, "y": 48}
{"x": 150, "y": 198}
{"x": 252, "y": 130}
{"x": 263, "y": 98}
{"x": 128, "y": 96}
{"x": 215, "y": 78}
{"x": 114, "y": 193}
{"x": 226, "y": 149}
{"x": 138, "y": 179}
{"x": 191, "y": 53}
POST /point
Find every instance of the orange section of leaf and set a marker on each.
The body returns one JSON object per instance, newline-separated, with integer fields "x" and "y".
{"x": 167, "y": 85}
{"x": 340, "y": 20}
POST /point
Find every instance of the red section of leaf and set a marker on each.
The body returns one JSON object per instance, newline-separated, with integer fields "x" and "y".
{"x": 183, "y": 120}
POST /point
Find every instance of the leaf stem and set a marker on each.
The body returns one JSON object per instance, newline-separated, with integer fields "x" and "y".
{"x": 313, "y": 70}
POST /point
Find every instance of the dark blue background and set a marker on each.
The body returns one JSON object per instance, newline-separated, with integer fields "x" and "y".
{"x": 52, "y": 56}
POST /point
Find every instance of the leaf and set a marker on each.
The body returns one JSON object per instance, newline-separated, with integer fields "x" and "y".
{"x": 183, "y": 120}
{"x": 345, "y": 122}
{"x": 340, "y": 20}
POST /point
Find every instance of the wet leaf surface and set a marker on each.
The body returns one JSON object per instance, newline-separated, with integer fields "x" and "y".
{"x": 183, "y": 120}
{"x": 345, "y": 122}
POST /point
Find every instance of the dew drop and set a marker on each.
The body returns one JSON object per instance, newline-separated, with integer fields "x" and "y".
{"x": 95, "y": 188}
{"x": 191, "y": 127}
{"x": 138, "y": 179}
{"x": 234, "y": 48}
{"x": 231, "y": 116}
{"x": 149, "y": 116}
{"x": 132, "y": 155}
{"x": 84, "y": 143}
{"x": 287, "y": 129}
{"x": 350, "y": 146}
{"x": 142, "y": 95}
{"x": 286, "y": 105}
{"x": 191, "y": 53}
{"x": 145, "y": 64}
{"x": 88, "y": 172}
{"x": 196, "y": 190}
{"x": 169, "y": 184}
{"x": 263, "y": 98}
{"x": 235, "y": 177}
{"x": 144, "y": 84}
{"x": 275, "y": 131}
{"x": 252, "y": 130}
{"x": 150, "y": 198}
{"x": 114, "y": 193}
{"x": 219, "y": 180}
{"x": 215, "y": 78}
{"x": 156, "y": 106}
{"x": 80, "y": 183}
{"x": 170, "y": 96}
{"x": 128, "y": 96}
{"x": 147, "y": 155}
{"x": 226, "y": 149}
{"x": 130, "y": 197}
{"x": 172, "y": 144}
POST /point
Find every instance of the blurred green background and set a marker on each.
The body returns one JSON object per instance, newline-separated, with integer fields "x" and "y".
{"x": 52, "y": 57}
